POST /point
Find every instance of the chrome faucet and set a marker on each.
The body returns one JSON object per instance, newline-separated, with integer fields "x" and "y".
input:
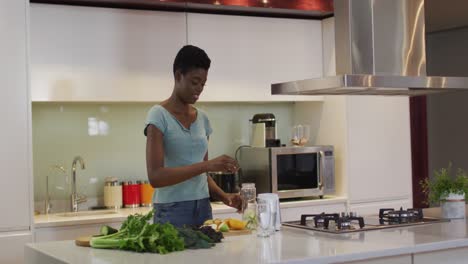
{"x": 75, "y": 197}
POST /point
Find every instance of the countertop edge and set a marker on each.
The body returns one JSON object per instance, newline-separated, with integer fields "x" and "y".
{"x": 359, "y": 256}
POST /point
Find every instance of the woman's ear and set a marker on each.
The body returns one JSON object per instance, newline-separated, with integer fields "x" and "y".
{"x": 178, "y": 75}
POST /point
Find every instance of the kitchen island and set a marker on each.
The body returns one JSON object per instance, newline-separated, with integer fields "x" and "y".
{"x": 445, "y": 242}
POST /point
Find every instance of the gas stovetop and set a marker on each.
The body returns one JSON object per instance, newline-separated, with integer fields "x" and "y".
{"x": 350, "y": 222}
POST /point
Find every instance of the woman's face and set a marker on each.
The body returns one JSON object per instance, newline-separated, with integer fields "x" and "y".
{"x": 189, "y": 86}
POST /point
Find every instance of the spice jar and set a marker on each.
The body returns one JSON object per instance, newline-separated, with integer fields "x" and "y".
{"x": 131, "y": 194}
{"x": 112, "y": 193}
{"x": 146, "y": 194}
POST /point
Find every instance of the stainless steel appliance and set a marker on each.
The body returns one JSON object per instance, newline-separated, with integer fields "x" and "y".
{"x": 291, "y": 172}
{"x": 264, "y": 131}
{"x": 346, "y": 223}
{"x": 380, "y": 49}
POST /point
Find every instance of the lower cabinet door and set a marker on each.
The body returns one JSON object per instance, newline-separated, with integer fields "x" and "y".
{"x": 448, "y": 256}
{"x": 12, "y": 246}
{"x": 405, "y": 259}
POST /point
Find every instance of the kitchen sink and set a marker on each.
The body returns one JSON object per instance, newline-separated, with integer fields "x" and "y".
{"x": 87, "y": 213}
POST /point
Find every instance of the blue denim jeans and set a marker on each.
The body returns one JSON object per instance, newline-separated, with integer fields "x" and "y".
{"x": 191, "y": 213}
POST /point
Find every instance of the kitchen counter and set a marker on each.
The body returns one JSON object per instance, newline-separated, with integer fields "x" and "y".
{"x": 119, "y": 215}
{"x": 287, "y": 246}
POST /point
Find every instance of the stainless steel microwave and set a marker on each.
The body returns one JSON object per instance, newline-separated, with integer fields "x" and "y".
{"x": 291, "y": 172}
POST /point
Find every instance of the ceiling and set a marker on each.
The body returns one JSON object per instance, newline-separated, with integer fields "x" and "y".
{"x": 446, "y": 14}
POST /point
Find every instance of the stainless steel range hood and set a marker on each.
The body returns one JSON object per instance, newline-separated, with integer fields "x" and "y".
{"x": 380, "y": 50}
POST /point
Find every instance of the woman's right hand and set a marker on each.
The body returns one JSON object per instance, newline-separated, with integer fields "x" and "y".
{"x": 222, "y": 163}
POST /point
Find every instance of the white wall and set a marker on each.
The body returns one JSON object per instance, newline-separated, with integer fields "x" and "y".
{"x": 447, "y": 55}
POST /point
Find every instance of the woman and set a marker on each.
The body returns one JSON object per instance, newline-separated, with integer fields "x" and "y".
{"x": 177, "y": 148}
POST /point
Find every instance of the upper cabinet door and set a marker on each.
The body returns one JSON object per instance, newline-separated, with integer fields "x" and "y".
{"x": 103, "y": 54}
{"x": 250, "y": 53}
{"x": 15, "y": 140}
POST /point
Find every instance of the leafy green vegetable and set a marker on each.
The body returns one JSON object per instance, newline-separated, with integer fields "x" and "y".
{"x": 136, "y": 234}
{"x": 211, "y": 233}
{"x": 194, "y": 239}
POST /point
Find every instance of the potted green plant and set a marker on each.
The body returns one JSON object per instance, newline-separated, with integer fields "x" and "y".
{"x": 448, "y": 190}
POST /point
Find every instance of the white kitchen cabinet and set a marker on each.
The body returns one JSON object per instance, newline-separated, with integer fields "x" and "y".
{"x": 86, "y": 54}
{"x": 379, "y": 151}
{"x": 12, "y": 245}
{"x": 70, "y": 232}
{"x": 294, "y": 213}
{"x": 15, "y": 135}
{"x": 406, "y": 259}
{"x": 103, "y": 54}
{"x": 250, "y": 53}
{"x": 293, "y": 210}
{"x": 15, "y": 159}
{"x": 226, "y": 215}
{"x": 448, "y": 256}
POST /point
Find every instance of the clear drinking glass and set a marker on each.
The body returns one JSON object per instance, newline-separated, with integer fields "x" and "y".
{"x": 272, "y": 199}
{"x": 263, "y": 217}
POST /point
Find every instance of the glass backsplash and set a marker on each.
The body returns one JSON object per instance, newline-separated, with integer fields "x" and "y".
{"x": 109, "y": 137}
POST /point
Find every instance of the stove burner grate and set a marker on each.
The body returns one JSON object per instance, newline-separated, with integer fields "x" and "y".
{"x": 392, "y": 216}
{"x": 341, "y": 222}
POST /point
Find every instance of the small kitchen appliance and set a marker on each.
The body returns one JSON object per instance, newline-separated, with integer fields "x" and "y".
{"x": 290, "y": 172}
{"x": 263, "y": 132}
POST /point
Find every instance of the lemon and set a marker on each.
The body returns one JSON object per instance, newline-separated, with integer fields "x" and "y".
{"x": 236, "y": 224}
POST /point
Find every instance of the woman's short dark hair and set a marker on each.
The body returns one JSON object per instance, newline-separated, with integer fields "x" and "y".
{"x": 190, "y": 57}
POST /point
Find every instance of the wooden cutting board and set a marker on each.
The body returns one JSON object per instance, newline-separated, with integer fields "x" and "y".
{"x": 83, "y": 241}
{"x": 237, "y": 232}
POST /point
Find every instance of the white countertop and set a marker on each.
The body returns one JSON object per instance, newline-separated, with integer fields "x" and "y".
{"x": 287, "y": 246}
{"x": 119, "y": 215}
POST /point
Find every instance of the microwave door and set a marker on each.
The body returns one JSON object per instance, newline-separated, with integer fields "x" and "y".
{"x": 297, "y": 174}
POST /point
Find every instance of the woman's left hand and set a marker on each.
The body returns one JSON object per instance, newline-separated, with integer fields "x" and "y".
{"x": 233, "y": 200}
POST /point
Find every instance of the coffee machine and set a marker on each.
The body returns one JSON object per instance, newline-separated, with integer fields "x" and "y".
{"x": 263, "y": 132}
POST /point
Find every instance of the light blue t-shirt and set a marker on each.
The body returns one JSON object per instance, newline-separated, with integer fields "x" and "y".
{"x": 182, "y": 147}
